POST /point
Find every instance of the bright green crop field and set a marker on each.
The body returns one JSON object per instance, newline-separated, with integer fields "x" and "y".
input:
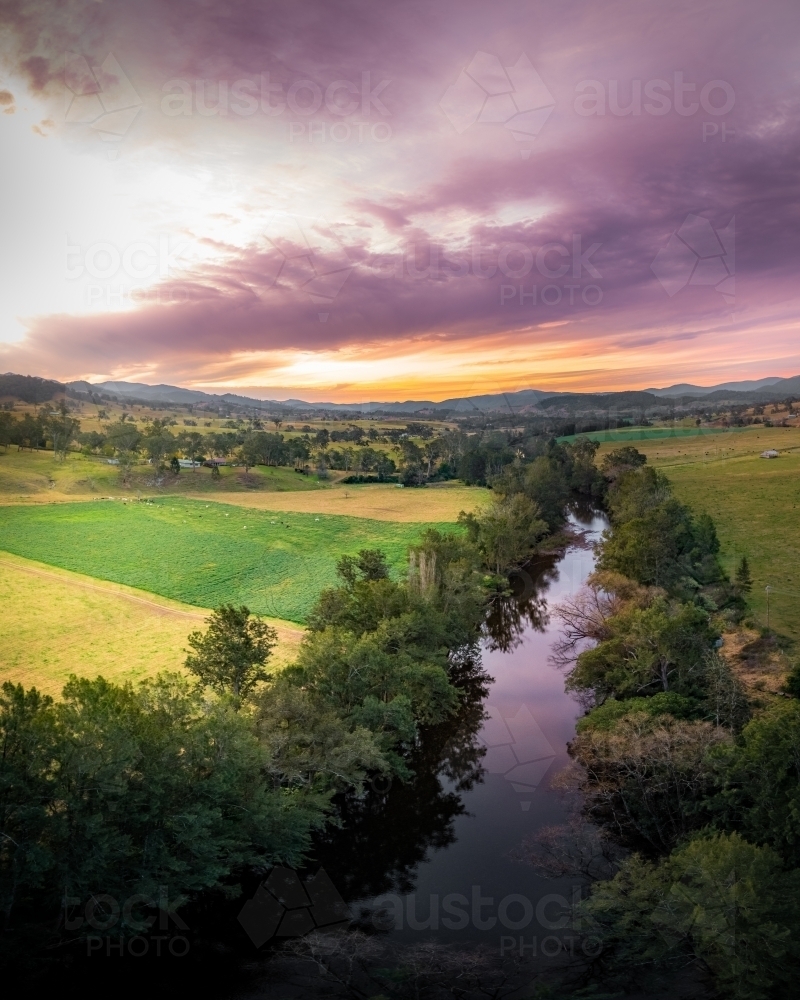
{"x": 203, "y": 553}
{"x": 627, "y": 435}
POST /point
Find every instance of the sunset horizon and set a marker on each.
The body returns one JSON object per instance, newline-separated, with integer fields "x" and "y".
{"x": 494, "y": 202}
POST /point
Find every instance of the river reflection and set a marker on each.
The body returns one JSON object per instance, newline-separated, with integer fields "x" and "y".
{"x": 481, "y": 783}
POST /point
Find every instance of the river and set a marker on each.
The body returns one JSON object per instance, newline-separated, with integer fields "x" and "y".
{"x": 435, "y": 857}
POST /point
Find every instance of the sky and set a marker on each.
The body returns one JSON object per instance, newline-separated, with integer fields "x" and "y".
{"x": 366, "y": 200}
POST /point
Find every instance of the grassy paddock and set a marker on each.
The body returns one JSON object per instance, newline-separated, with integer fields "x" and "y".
{"x": 202, "y": 553}
{"x": 755, "y": 503}
{"x": 57, "y": 623}
{"x": 377, "y": 502}
{"x": 37, "y": 477}
{"x": 626, "y": 435}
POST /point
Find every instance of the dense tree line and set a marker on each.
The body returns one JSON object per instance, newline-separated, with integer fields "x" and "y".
{"x": 172, "y": 787}
{"x": 700, "y": 794}
{"x": 120, "y": 789}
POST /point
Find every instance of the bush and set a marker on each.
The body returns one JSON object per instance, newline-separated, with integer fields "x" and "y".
{"x": 719, "y": 901}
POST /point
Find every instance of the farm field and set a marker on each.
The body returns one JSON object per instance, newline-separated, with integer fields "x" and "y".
{"x": 682, "y": 436}
{"x": 625, "y": 435}
{"x": 755, "y": 503}
{"x": 202, "y": 553}
{"x": 36, "y": 477}
{"x": 378, "y": 502}
{"x": 57, "y": 623}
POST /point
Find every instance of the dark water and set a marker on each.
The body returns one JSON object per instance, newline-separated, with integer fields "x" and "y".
{"x": 434, "y": 857}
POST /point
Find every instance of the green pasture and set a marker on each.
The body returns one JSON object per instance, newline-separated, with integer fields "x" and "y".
{"x": 625, "y": 435}
{"x": 202, "y": 553}
{"x": 755, "y": 503}
{"x": 35, "y": 475}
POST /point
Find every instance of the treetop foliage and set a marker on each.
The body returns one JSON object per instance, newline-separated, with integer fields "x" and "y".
{"x": 230, "y": 656}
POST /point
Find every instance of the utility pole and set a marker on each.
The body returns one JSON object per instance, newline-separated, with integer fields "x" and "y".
{"x": 768, "y": 589}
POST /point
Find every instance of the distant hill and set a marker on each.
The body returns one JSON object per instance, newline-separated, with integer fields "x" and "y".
{"x": 600, "y": 401}
{"x": 511, "y": 401}
{"x": 29, "y": 388}
{"x": 687, "y": 389}
{"x": 33, "y": 389}
{"x": 140, "y": 390}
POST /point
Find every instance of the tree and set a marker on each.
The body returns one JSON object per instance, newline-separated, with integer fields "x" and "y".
{"x": 616, "y": 463}
{"x": 369, "y": 564}
{"x": 719, "y": 900}
{"x": 151, "y": 789}
{"x": 384, "y": 466}
{"x": 62, "y": 429}
{"x": 191, "y": 443}
{"x": 744, "y": 581}
{"x": 175, "y": 465}
{"x": 507, "y": 532}
{"x": 650, "y": 777}
{"x": 261, "y": 448}
{"x": 431, "y": 450}
{"x": 157, "y": 442}
{"x": 222, "y": 444}
{"x": 654, "y": 539}
{"x": 124, "y": 438}
{"x": 545, "y": 483}
{"x": 91, "y": 442}
{"x": 231, "y": 655}
{"x": 27, "y": 432}
{"x": 411, "y": 475}
{"x": 299, "y": 451}
{"x": 583, "y": 475}
{"x": 6, "y": 423}
{"x": 389, "y": 655}
{"x": 658, "y": 646}
{"x": 763, "y": 797}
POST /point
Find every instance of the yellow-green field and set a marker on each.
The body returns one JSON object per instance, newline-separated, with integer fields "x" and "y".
{"x": 37, "y": 477}
{"x": 270, "y": 538}
{"x": 755, "y": 503}
{"x": 56, "y": 623}
{"x": 442, "y": 502}
{"x": 94, "y": 417}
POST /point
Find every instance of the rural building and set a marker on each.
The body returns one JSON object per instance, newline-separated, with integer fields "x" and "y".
{"x": 771, "y": 453}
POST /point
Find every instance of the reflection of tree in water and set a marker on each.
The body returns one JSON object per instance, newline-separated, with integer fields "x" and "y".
{"x": 524, "y": 607}
{"x": 386, "y": 832}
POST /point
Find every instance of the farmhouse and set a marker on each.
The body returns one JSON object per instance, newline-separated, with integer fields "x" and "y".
{"x": 770, "y": 453}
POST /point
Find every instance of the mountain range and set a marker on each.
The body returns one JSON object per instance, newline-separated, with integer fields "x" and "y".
{"x": 33, "y": 389}
{"x": 514, "y": 402}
